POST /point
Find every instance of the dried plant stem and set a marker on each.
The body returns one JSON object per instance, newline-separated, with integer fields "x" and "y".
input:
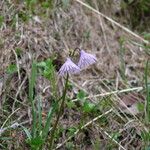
{"x": 9, "y": 117}
{"x": 59, "y": 113}
{"x": 109, "y": 136}
{"x": 114, "y": 22}
{"x": 84, "y": 126}
{"x": 114, "y": 92}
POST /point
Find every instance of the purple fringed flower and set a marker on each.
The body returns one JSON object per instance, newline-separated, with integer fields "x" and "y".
{"x": 69, "y": 67}
{"x": 86, "y": 59}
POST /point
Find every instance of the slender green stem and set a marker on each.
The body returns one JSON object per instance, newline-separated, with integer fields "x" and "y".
{"x": 147, "y": 110}
{"x": 59, "y": 113}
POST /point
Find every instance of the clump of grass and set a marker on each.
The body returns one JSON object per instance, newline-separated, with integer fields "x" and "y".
{"x": 39, "y": 132}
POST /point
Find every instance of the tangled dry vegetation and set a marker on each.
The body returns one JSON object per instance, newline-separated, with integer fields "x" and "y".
{"x": 25, "y": 36}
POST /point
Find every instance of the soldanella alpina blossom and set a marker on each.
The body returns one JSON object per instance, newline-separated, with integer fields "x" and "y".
{"x": 86, "y": 59}
{"x": 69, "y": 68}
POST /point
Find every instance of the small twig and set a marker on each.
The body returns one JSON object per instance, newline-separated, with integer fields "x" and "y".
{"x": 114, "y": 22}
{"x": 47, "y": 87}
{"x": 113, "y": 92}
{"x": 59, "y": 113}
{"x": 21, "y": 85}
{"x": 13, "y": 126}
{"x": 9, "y": 117}
{"x": 19, "y": 89}
{"x": 18, "y": 101}
{"x": 87, "y": 124}
{"x": 109, "y": 136}
{"x": 103, "y": 29}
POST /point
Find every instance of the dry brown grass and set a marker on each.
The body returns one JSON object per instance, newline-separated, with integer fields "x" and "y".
{"x": 56, "y": 31}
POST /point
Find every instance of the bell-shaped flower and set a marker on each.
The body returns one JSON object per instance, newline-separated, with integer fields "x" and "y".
{"x": 69, "y": 68}
{"x": 86, "y": 59}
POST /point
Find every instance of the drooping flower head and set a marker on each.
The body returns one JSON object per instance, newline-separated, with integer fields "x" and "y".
{"x": 86, "y": 59}
{"x": 69, "y": 68}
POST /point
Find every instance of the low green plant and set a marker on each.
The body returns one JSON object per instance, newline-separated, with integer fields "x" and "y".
{"x": 12, "y": 68}
{"x": 146, "y": 139}
{"x": 39, "y": 132}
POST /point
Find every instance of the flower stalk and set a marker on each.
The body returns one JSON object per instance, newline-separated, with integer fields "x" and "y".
{"x": 59, "y": 113}
{"x": 69, "y": 67}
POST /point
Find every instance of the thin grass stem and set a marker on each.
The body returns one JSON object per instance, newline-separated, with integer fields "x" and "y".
{"x": 59, "y": 113}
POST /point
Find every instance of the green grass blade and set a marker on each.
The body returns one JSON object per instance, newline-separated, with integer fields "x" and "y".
{"x": 31, "y": 96}
{"x": 32, "y": 81}
{"x": 48, "y": 120}
{"x": 34, "y": 117}
{"x": 39, "y": 114}
{"x": 27, "y": 132}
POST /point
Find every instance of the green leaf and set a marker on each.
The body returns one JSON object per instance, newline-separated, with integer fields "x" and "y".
{"x": 18, "y": 51}
{"x": 41, "y": 64}
{"x": 12, "y": 68}
{"x": 72, "y": 130}
{"x": 147, "y": 36}
{"x": 115, "y": 135}
{"x": 27, "y": 132}
{"x": 48, "y": 120}
{"x": 47, "y": 5}
{"x": 81, "y": 95}
{"x": 39, "y": 114}
{"x": 49, "y": 69}
{"x": 145, "y": 136}
{"x": 140, "y": 106}
{"x": 35, "y": 142}
{"x": 32, "y": 81}
{"x": 50, "y": 74}
{"x": 1, "y": 20}
{"x": 70, "y": 104}
{"x": 88, "y": 107}
{"x": 70, "y": 145}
